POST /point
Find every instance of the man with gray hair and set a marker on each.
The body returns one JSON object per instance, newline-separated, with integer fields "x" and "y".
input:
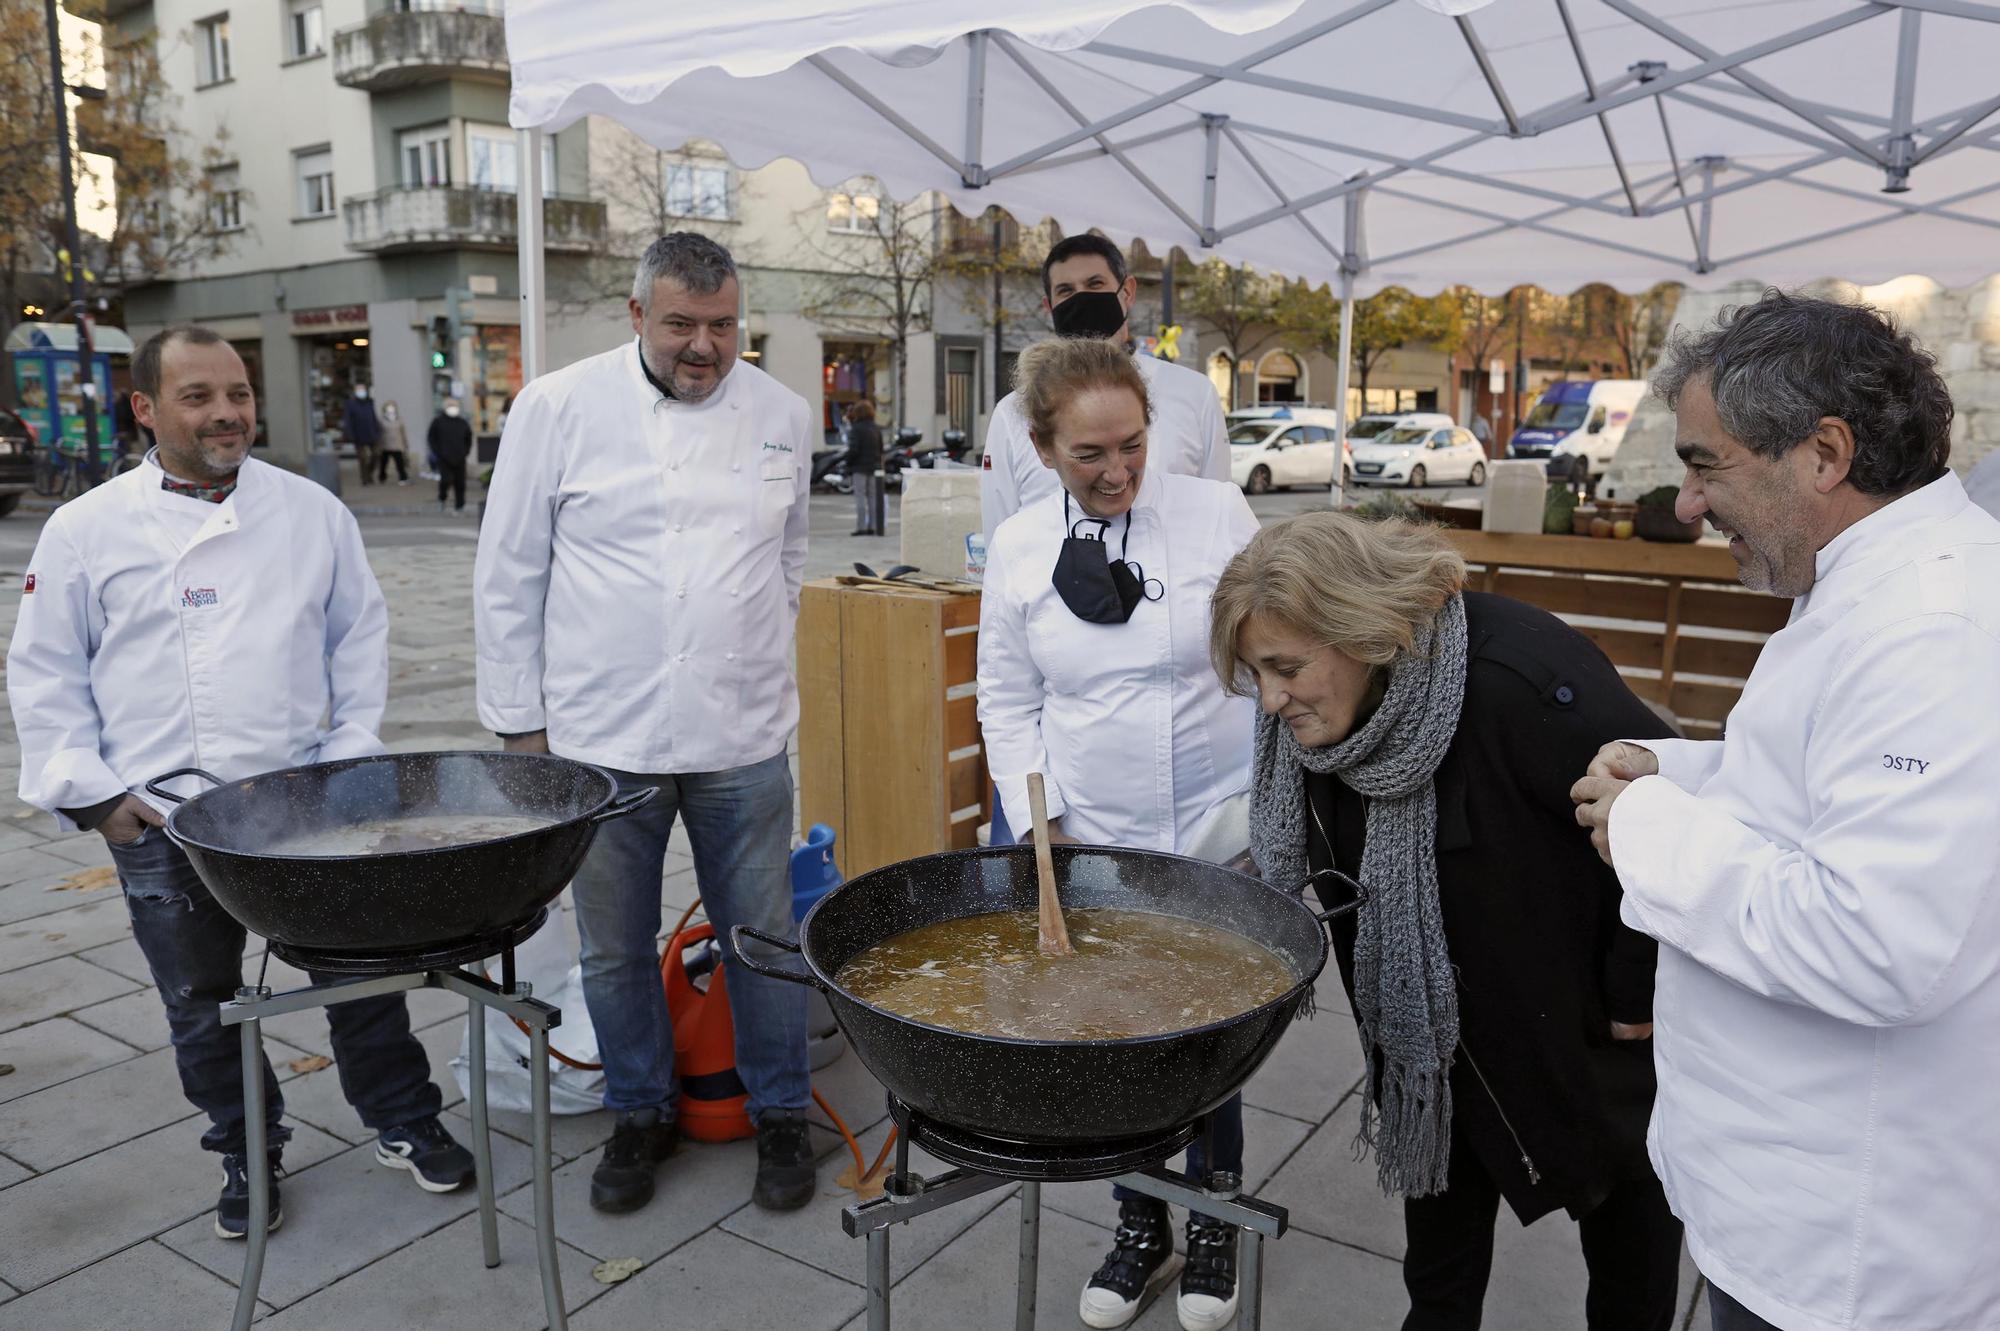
{"x": 636, "y": 590}
{"x": 1823, "y": 880}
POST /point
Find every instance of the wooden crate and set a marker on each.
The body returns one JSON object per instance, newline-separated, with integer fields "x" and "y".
{"x": 1671, "y": 617}
{"x": 889, "y": 748}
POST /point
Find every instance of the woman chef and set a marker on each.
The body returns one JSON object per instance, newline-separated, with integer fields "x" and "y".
{"x": 1093, "y": 671}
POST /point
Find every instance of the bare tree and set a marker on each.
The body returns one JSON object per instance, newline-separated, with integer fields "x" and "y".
{"x": 1643, "y": 323}
{"x": 872, "y": 267}
{"x": 1241, "y": 305}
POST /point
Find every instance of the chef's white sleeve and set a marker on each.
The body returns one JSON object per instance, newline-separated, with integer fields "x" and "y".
{"x": 999, "y": 486}
{"x": 48, "y": 681}
{"x": 799, "y": 523}
{"x": 1215, "y": 432}
{"x": 1886, "y": 913}
{"x": 510, "y": 575}
{"x": 1688, "y": 763}
{"x": 1011, "y": 690}
{"x": 357, "y": 648}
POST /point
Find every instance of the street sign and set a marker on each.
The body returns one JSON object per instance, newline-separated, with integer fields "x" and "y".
{"x": 1496, "y": 378}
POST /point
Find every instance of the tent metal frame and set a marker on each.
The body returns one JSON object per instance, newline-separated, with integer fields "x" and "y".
{"x": 1896, "y": 143}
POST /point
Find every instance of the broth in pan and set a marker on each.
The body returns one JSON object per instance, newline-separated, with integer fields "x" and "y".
{"x": 1134, "y": 973}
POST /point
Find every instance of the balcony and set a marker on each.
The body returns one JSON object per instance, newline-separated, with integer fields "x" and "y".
{"x": 447, "y": 217}
{"x": 393, "y": 50}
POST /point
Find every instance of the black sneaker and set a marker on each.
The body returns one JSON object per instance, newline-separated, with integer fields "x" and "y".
{"x": 1141, "y": 1260}
{"x": 786, "y": 1175}
{"x": 623, "y": 1180}
{"x": 1208, "y": 1281}
{"x": 232, "y": 1208}
{"x": 438, "y": 1163}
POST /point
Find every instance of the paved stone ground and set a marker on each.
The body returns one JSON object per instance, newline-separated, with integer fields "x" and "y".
{"x": 104, "y": 1193}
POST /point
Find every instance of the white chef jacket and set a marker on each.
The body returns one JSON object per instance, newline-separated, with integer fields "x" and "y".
{"x": 1135, "y": 738}
{"x": 159, "y": 631}
{"x": 639, "y": 566}
{"x": 1825, "y": 886}
{"x": 1187, "y": 436}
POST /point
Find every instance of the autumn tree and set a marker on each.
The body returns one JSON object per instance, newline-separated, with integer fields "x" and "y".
{"x": 1643, "y": 322}
{"x": 1241, "y": 305}
{"x": 1394, "y": 318}
{"x": 128, "y": 148}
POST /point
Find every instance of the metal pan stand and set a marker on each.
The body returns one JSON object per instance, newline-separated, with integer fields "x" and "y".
{"x": 907, "y": 1195}
{"x": 255, "y": 1003}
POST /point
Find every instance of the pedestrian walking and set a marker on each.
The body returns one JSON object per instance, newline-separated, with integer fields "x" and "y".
{"x": 359, "y": 423}
{"x": 206, "y": 609}
{"x": 864, "y": 468}
{"x": 635, "y": 597}
{"x": 394, "y": 446}
{"x": 450, "y": 441}
{"x": 1822, "y": 879}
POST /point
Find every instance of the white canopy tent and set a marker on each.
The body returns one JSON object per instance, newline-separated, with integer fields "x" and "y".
{"x": 1367, "y": 142}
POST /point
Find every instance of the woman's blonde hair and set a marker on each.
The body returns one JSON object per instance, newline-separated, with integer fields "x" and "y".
{"x": 1051, "y": 373}
{"x": 1363, "y": 588}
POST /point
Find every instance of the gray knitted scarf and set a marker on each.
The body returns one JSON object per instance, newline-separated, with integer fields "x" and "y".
{"x": 1404, "y": 998}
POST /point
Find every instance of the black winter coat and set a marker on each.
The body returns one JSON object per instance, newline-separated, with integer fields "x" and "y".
{"x": 450, "y": 438}
{"x": 1530, "y": 914}
{"x": 864, "y": 447}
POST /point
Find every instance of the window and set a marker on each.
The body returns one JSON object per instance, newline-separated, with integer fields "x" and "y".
{"x": 853, "y": 213}
{"x": 427, "y": 156}
{"x": 698, "y": 191}
{"x": 225, "y": 199}
{"x": 211, "y": 50}
{"x": 306, "y": 28}
{"x": 492, "y": 158}
{"x": 1292, "y": 437}
{"x": 314, "y": 169}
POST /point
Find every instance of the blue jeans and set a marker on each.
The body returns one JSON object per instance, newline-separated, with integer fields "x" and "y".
{"x": 195, "y": 950}
{"x": 1726, "y": 1314}
{"x": 1226, "y": 1128}
{"x": 739, "y": 823}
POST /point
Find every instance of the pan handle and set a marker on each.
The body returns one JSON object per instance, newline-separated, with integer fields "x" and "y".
{"x": 1347, "y": 908}
{"x": 769, "y": 972}
{"x": 155, "y": 786}
{"x": 625, "y": 804}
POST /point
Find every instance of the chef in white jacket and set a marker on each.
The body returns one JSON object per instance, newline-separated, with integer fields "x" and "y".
{"x": 208, "y": 610}
{"x": 636, "y": 590}
{"x": 1088, "y": 292}
{"x": 1825, "y": 880}
{"x": 1093, "y": 671}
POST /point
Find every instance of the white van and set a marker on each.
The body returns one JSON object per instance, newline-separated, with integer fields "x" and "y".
{"x": 1577, "y": 425}
{"x": 1273, "y": 447}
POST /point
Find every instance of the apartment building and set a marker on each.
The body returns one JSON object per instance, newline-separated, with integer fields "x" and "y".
{"x": 366, "y": 174}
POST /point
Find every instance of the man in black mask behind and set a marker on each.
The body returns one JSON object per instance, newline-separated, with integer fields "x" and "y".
{"x": 1087, "y": 292}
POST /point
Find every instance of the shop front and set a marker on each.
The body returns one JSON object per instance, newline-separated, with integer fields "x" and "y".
{"x": 333, "y": 346}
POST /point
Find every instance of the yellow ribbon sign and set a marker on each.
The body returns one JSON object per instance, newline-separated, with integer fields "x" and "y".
{"x": 1170, "y": 342}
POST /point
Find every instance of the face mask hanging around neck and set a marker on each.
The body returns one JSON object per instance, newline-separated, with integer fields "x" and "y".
{"x": 1096, "y": 588}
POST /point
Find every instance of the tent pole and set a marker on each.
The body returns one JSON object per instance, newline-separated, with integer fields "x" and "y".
{"x": 534, "y": 277}
{"x": 1353, "y": 257}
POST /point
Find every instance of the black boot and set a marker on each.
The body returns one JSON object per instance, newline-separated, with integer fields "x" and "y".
{"x": 1141, "y": 1260}
{"x": 623, "y": 1180}
{"x": 785, "y": 1174}
{"x": 1208, "y": 1281}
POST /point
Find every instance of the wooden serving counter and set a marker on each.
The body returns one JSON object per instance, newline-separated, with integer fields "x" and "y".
{"x": 1671, "y": 617}
{"x": 889, "y": 748}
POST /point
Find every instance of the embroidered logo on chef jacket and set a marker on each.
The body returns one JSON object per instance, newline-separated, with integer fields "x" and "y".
{"x": 197, "y": 598}
{"x": 773, "y": 446}
{"x": 27, "y": 584}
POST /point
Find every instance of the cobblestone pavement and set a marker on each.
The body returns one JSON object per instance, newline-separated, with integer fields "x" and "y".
{"x": 104, "y": 1193}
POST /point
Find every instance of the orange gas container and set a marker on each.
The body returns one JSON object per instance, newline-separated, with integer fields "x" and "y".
{"x": 713, "y": 1104}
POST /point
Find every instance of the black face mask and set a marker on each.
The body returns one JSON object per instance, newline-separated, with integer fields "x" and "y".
{"x": 1096, "y": 588}
{"x": 1096, "y": 314}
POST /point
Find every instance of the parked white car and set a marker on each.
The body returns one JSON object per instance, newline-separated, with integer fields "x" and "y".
{"x": 1270, "y": 450}
{"x": 1367, "y": 427}
{"x": 1419, "y": 455}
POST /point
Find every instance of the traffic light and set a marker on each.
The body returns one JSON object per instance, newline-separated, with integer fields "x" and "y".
{"x": 441, "y": 343}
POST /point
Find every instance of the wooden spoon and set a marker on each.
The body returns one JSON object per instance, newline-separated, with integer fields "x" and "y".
{"x": 1055, "y": 934}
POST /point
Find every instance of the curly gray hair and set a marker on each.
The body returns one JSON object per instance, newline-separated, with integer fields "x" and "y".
{"x": 1777, "y": 367}
{"x": 687, "y": 257}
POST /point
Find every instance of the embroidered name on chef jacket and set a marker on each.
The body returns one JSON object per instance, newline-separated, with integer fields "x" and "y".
{"x": 1898, "y": 763}
{"x": 197, "y": 598}
{"x": 773, "y": 446}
